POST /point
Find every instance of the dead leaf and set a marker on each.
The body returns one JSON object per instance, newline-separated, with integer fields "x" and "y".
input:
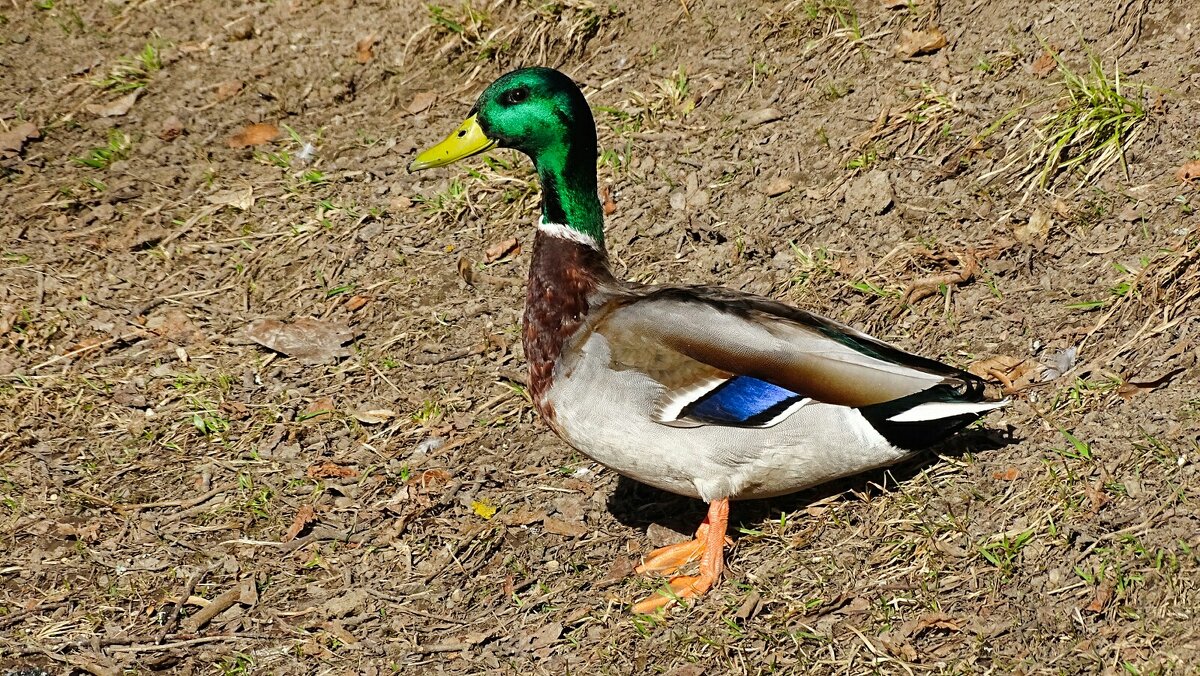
{"x": 1036, "y": 229}
{"x": 13, "y": 140}
{"x": 1044, "y": 64}
{"x": 421, "y": 102}
{"x": 329, "y": 470}
{"x": 1013, "y": 373}
{"x": 521, "y": 516}
{"x": 1131, "y": 388}
{"x": 937, "y": 620}
{"x": 175, "y": 326}
{"x": 916, "y": 43}
{"x": 1190, "y": 171}
{"x": 254, "y": 135}
{"x": 779, "y": 186}
{"x": 430, "y": 479}
{"x": 304, "y": 516}
{"x": 115, "y": 108}
{"x": 310, "y": 340}
{"x": 501, "y": 249}
{"x": 356, "y": 303}
{"x": 374, "y": 416}
{"x": 1009, "y": 474}
{"x": 565, "y": 528}
{"x": 235, "y": 410}
{"x": 466, "y": 270}
{"x": 1096, "y": 495}
{"x": 1103, "y": 596}
{"x": 610, "y": 207}
{"x": 317, "y": 407}
{"x": 241, "y": 199}
{"x": 579, "y": 485}
{"x": 364, "y": 49}
{"x": 229, "y": 89}
{"x": 543, "y": 637}
{"x": 761, "y": 116}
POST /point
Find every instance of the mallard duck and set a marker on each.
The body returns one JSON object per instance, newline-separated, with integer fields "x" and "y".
{"x": 701, "y": 391}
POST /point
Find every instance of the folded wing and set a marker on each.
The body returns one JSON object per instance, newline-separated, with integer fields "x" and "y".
{"x": 733, "y": 359}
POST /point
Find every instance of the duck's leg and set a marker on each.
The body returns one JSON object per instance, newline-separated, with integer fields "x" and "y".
{"x": 709, "y": 547}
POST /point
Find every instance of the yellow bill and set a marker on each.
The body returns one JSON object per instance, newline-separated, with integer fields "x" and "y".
{"x": 465, "y": 141}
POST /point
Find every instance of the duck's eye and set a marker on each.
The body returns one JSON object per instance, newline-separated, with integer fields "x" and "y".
{"x": 516, "y": 96}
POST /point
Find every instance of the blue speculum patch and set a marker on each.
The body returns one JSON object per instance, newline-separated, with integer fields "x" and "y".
{"x": 740, "y": 401}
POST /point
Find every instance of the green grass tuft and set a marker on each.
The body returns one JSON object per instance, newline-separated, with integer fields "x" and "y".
{"x": 1091, "y": 130}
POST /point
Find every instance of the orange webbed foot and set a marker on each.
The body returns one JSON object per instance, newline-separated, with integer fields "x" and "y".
{"x": 667, "y": 560}
{"x": 708, "y": 547}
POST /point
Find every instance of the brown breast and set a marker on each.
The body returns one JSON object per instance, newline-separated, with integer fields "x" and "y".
{"x": 562, "y": 276}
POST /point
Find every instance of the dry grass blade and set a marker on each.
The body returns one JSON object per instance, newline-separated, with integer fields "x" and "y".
{"x": 1160, "y": 296}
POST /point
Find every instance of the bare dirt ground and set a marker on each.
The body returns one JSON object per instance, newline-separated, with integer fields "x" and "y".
{"x": 377, "y": 496}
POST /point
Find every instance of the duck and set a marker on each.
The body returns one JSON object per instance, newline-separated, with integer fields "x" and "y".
{"x": 706, "y": 392}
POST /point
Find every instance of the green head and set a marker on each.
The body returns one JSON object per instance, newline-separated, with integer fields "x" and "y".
{"x": 542, "y": 113}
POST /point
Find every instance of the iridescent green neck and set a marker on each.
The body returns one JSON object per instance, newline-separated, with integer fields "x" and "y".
{"x": 568, "y": 176}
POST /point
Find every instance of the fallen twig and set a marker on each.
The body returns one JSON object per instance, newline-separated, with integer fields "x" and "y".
{"x": 9, "y": 620}
{"x": 185, "y": 504}
{"x": 222, "y": 603}
{"x": 173, "y": 620}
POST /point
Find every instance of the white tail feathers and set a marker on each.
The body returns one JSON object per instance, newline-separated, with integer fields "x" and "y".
{"x": 935, "y": 410}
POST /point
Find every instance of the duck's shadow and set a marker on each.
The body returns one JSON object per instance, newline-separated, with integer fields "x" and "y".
{"x": 638, "y": 505}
